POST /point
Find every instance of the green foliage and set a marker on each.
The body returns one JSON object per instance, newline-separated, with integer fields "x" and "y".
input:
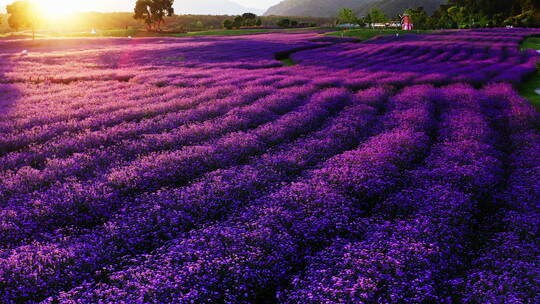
{"x": 123, "y": 24}
{"x": 288, "y": 62}
{"x": 211, "y": 21}
{"x": 375, "y": 15}
{"x": 531, "y": 43}
{"x": 238, "y": 22}
{"x": 228, "y": 24}
{"x": 360, "y": 7}
{"x": 459, "y": 15}
{"x": 467, "y": 13}
{"x": 366, "y": 34}
{"x": 529, "y": 87}
{"x": 239, "y": 32}
{"x": 491, "y": 13}
{"x": 22, "y": 14}
{"x": 285, "y": 22}
{"x": 153, "y": 12}
{"x": 420, "y": 18}
{"x": 526, "y": 19}
{"x": 346, "y": 16}
{"x": 247, "y": 19}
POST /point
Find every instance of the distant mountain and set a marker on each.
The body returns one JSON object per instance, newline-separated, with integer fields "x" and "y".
{"x": 319, "y": 8}
{"x": 212, "y": 7}
{"x": 395, "y": 7}
{"x": 326, "y": 8}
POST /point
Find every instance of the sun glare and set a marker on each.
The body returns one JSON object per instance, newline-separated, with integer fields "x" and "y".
{"x": 56, "y": 8}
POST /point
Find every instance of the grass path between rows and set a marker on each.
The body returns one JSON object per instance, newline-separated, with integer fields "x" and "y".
{"x": 366, "y": 34}
{"x": 528, "y": 88}
{"x": 239, "y": 32}
{"x": 362, "y": 34}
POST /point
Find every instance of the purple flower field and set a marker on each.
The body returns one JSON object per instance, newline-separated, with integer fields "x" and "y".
{"x": 202, "y": 170}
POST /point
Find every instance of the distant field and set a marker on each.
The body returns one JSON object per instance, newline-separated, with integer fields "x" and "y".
{"x": 362, "y": 34}
{"x": 105, "y": 33}
{"x": 245, "y": 31}
{"x": 100, "y": 33}
{"x": 365, "y": 34}
{"x": 143, "y": 33}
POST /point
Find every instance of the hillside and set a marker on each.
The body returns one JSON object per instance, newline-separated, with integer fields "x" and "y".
{"x": 325, "y": 8}
{"x": 213, "y": 7}
{"x": 321, "y": 8}
{"x": 395, "y": 7}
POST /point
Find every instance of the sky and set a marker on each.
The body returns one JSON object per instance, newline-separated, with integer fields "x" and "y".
{"x": 127, "y": 5}
{"x": 263, "y": 4}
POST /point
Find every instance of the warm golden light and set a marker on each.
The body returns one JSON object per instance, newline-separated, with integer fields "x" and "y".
{"x": 56, "y": 8}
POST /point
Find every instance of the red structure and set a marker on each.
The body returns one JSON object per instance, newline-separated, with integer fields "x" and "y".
{"x": 406, "y": 23}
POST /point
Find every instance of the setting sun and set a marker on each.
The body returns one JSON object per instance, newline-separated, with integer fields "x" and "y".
{"x": 55, "y": 8}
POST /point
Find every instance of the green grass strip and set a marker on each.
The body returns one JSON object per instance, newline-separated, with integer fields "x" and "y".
{"x": 243, "y": 32}
{"x": 528, "y": 88}
{"x": 366, "y": 34}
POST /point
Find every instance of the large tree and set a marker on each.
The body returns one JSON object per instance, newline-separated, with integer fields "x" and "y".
{"x": 246, "y": 19}
{"x": 375, "y": 15}
{"x": 153, "y": 12}
{"x": 498, "y": 10}
{"x": 23, "y": 15}
{"x": 249, "y": 19}
{"x": 347, "y": 16}
{"x": 458, "y": 14}
{"x": 419, "y": 17}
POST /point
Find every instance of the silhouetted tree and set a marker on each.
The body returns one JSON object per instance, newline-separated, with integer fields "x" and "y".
{"x": 23, "y": 14}
{"x": 153, "y": 12}
{"x": 142, "y": 12}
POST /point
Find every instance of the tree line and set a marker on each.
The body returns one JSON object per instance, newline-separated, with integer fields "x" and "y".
{"x": 23, "y": 14}
{"x": 252, "y": 20}
{"x": 460, "y": 14}
{"x": 155, "y": 15}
